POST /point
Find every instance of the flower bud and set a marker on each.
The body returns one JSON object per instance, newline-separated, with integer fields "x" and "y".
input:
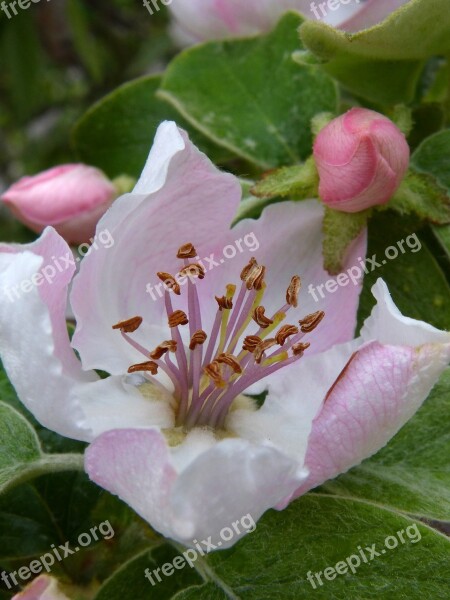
{"x": 71, "y": 198}
{"x": 42, "y": 588}
{"x": 361, "y": 158}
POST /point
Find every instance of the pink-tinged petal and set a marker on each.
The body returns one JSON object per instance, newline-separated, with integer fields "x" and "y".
{"x": 395, "y": 364}
{"x": 290, "y": 243}
{"x": 36, "y": 353}
{"x": 371, "y": 13}
{"x": 70, "y": 197}
{"x": 181, "y": 197}
{"x": 376, "y": 394}
{"x": 209, "y": 494}
{"x": 42, "y": 588}
{"x": 199, "y": 20}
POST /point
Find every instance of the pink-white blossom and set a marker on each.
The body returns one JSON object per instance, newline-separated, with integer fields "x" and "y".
{"x": 179, "y": 438}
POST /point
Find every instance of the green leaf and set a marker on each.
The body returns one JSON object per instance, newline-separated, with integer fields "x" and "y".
{"x": 21, "y": 456}
{"x": 415, "y": 280}
{"x": 250, "y": 96}
{"x": 340, "y": 229}
{"x": 383, "y": 63}
{"x": 433, "y": 158}
{"x": 412, "y": 474}
{"x": 116, "y": 133}
{"x": 313, "y": 533}
{"x": 419, "y": 194}
{"x": 299, "y": 182}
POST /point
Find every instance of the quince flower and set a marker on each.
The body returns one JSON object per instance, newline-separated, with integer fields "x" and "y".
{"x": 174, "y": 431}
{"x": 199, "y": 20}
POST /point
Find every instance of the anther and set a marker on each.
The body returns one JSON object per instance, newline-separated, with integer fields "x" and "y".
{"x": 310, "y": 322}
{"x": 130, "y": 325}
{"x": 159, "y": 351}
{"x": 260, "y": 318}
{"x": 224, "y": 303}
{"x": 193, "y": 270}
{"x": 178, "y": 318}
{"x": 255, "y": 280}
{"x": 150, "y": 366}
{"x": 285, "y": 332}
{"x": 187, "y": 251}
{"x": 248, "y": 268}
{"x": 251, "y": 342}
{"x": 262, "y": 348}
{"x": 299, "y": 349}
{"x": 170, "y": 282}
{"x": 293, "y": 291}
{"x": 198, "y": 339}
{"x": 214, "y": 372}
{"x": 230, "y": 360}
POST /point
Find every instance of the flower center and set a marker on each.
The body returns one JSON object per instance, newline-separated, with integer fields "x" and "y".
{"x": 220, "y": 366}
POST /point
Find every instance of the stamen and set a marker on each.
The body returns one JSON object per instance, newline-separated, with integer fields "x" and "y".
{"x": 293, "y": 291}
{"x": 214, "y": 372}
{"x": 159, "y": 351}
{"x": 224, "y": 303}
{"x": 251, "y": 342}
{"x": 262, "y": 347}
{"x": 299, "y": 349}
{"x": 285, "y": 332}
{"x": 187, "y": 251}
{"x": 193, "y": 270}
{"x": 220, "y": 323}
{"x": 198, "y": 339}
{"x": 130, "y": 325}
{"x": 260, "y": 318}
{"x": 310, "y": 322}
{"x": 178, "y": 318}
{"x": 170, "y": 282}
{"x": 231, "y": 361}
{"x": 150, "y": 366}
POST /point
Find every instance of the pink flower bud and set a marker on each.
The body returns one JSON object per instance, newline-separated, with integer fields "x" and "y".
{"x": 361, "y": 158}
{"x": 71, "y": 198}
{"x": 42, "y": 588}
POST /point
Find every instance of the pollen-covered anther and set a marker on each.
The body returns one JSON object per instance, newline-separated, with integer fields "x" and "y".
{"x": 251, "y": 342}
{"x": 187, "y": 251}
{"x": 159, "y": 351}
{"x": 193, "y": 270}
{"x": 170, "y": 282}
{"x": 198, "y": 339}
{"x": 299, "y": 349}
{"x": 262, "y": 348}
{"x": 231, "y": 361}
{"x": 130, "y": 325}
{"x": 260, "y": 318}
{"x": 248, "y": 268}
{"x": 255, "y": 279}
{"x": 224, "y": 303}
{"x": 214, "y": 372}
{"x": 178, "y": 318}
{"x": 150, "y": 366}
{"x": 293, "y": 291}
{"x": 285, "y": 332}
{"x": 310, "y": 322}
